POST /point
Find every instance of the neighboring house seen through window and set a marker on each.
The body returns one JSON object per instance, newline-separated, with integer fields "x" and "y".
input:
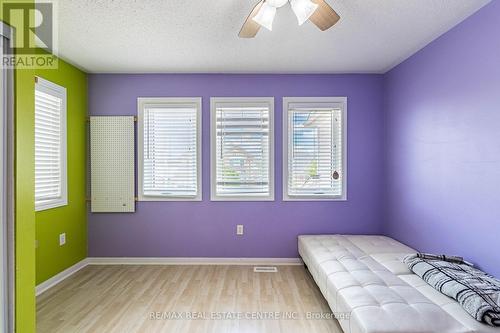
{"x": 314, "y": 164}
{"x": 242, "y": 149}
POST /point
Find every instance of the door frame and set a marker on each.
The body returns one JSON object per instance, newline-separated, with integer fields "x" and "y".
{"x": 7, "y": 195}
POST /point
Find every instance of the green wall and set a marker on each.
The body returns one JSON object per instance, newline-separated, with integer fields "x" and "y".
{"x": 70, "y": 219}
{"x": 25, "y": 199}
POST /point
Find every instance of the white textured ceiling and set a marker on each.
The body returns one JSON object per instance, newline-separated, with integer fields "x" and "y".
{"x": 200, "y": 36}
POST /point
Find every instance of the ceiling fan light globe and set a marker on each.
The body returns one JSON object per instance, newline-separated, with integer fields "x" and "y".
{"x": 265, "y": 16}
{"x": 277, "y": 3}
{"x": 303, "y": 9}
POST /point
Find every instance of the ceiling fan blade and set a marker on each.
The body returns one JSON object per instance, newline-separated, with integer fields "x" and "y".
{"x": 250, "y": 27}
{"x": 324, "y": 17}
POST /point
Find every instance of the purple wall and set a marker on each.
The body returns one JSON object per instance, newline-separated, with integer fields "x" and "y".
{"x": 443, "y": 143}
{"x": 208, "y": 228}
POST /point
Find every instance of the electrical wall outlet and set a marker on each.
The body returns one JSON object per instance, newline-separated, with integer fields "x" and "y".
{"x": 239, "y": 229}
{"x": 37, "y": 244}
{"x": 62, "y": 239}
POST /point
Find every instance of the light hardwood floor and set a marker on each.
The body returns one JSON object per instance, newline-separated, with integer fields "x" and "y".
{"x": 137, "y": 298}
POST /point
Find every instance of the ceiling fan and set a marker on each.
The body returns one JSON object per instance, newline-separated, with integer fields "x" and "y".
{"x": 262, "y": 15}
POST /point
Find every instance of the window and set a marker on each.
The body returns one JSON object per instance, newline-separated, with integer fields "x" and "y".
{"x": 242, "y": 153}
{"x": 51, "y": 188}
{"x": 314, "y": 153}
{"x": 169, "y": 149}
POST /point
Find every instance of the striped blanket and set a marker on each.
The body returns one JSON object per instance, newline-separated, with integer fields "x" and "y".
{"x": 477, "y": 292}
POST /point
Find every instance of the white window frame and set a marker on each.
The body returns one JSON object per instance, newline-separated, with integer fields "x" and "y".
{"x": 60, "y": 92}
{"x": 142, "y": 102}
{"x": 334, "y": 102}
{"x": 244, "y": 101}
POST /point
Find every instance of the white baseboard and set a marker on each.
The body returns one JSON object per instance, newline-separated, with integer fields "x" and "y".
{"x": 60, "y": 277}
{"x": 161, "y": 261}
{"x": 191, "y": 261}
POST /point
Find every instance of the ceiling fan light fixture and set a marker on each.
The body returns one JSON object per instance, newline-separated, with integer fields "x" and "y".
{"x": 303, "y": 9}
{"x": 265, "y": 16}
{"x": 277, "y": 3}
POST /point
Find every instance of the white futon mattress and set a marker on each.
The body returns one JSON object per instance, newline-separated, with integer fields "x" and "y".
{"x": 371, "y": 290}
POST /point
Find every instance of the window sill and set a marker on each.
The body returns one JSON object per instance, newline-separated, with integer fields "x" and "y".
{"x": 45, "y": 205}
{"x": 160, "y": 198}
{"x": 241, "y": 198}
{"x": 304, "y": 198}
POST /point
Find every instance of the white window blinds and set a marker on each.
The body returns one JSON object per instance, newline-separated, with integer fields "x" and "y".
{"x": 170, "y": 163}
{"x": 242, "y": 149}
{"x": 315, "y": 156}
{"x": 50, "y": 145}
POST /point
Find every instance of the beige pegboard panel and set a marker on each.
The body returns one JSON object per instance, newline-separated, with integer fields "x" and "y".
{"x": 112, "y": 164}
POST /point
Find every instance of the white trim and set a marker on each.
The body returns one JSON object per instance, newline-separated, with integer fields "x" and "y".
{"x": 58, "y": 91}
{"x": 11, "y": 198}
{"x": 7, "y": 190}
{"x": 191, "y": 261}
{"x": 269, "y": 101}
{"x": 4, "y": 277}
{"x": 340, "y": 102}
{"x": 44, "y": 286}
{"x": 56, "y": 279}
{"x": 141, "y": 103}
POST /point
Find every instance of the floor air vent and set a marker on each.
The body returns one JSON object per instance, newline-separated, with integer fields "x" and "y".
{"x": 264, "y": 269}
